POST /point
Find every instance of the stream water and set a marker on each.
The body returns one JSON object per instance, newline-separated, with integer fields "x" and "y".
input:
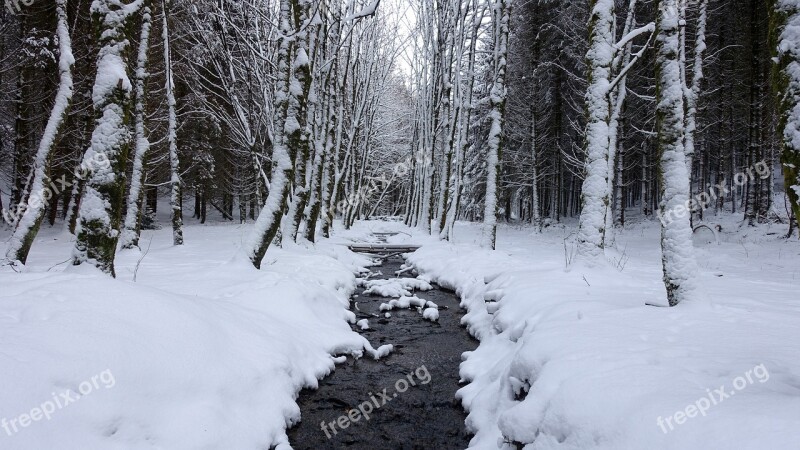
{"x": 408, "y": 396}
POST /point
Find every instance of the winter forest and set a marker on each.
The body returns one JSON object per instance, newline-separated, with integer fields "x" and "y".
{"x": 399, "y": 224}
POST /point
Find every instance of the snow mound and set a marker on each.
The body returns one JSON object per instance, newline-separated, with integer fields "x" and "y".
{"x": 395, "y": 287}
{"x": 431, "y": 314}
{"x": 404, "y": 302}
{"x": 382, "y": 351}
{"x": 429, "y": 310}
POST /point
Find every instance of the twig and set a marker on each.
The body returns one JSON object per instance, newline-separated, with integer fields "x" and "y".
{"x": 10, "y": 263}
{"x": 62, "y": 262}
{"x": 136, "y": 269}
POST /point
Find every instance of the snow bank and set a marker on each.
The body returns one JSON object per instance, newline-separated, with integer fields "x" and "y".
{"x": 203, "y": 350}
{"x": 574, "y": 359}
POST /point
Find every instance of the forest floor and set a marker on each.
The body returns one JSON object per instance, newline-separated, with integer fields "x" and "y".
{"x": 191, "y": 348}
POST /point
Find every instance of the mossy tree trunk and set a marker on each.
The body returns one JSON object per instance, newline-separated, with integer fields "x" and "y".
{"x": 105, "y": 160}
{"x": 785, "y": 40}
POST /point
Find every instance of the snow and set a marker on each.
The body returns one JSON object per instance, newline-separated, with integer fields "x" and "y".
{"x": 429, "y": 310}
{"x": 111, "y": 74}
{"x": 431, "y": 314}
{"x": 403, "y": 303}
{"x": 649, "y": 28}
{"x": 367, "y": 11}
{"x": 395, "y": 287}
{"x": 301, "y": 59}
{"x": 205, "y": 351}
{"x": 575, "y": 359}
{"x": 363, "y": 324}
{"x": 382, "y": 351}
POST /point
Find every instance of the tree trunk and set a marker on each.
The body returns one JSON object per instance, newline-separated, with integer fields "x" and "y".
{"x": 591, "y": 233}
{"x": 131, "y": 228}
{"x": 786, "y": 18}
{"x": 176, "y": 194}
{"x": 103, "y": 196}
{"x": 293, "y": 70}
{"x": 677, "y": 252}
{"x": 501, "y": 13}
{"x": 41, "y": 191}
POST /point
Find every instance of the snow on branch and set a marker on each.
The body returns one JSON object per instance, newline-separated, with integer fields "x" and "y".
{"x": 624, "y": 72}
{"x": 368, "y": 11}
{"x": 649, "y": 28}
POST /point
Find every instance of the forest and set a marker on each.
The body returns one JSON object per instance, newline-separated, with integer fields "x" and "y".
{"x": 635, "y": 154}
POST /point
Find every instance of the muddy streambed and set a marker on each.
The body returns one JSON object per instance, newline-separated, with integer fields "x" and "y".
{"x": 409, "y": 396}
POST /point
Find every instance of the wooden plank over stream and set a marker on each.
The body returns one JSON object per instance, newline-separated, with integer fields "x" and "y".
{"x": 383, "y": 248}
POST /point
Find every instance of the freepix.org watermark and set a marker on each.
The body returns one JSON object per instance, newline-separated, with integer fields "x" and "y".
{"x": 376, "y": 401}
{"x": 375, "y": 185}
{"x": 705, "y": 199}
{"x": 99, "y": 161}
{"x": 713, "y": 397}
{"x": 58, "y": 402}
{"x": 15, "y": 6}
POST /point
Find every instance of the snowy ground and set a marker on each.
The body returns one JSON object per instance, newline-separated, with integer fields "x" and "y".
{"x": 202, "y": 351}
{"x": 573, "y": 358}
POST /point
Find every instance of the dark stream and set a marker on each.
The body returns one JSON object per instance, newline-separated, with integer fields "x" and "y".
{"x": 426, "y": 357}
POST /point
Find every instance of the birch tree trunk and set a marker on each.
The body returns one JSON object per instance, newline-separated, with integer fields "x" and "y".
{"x": 40, "y": 191}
